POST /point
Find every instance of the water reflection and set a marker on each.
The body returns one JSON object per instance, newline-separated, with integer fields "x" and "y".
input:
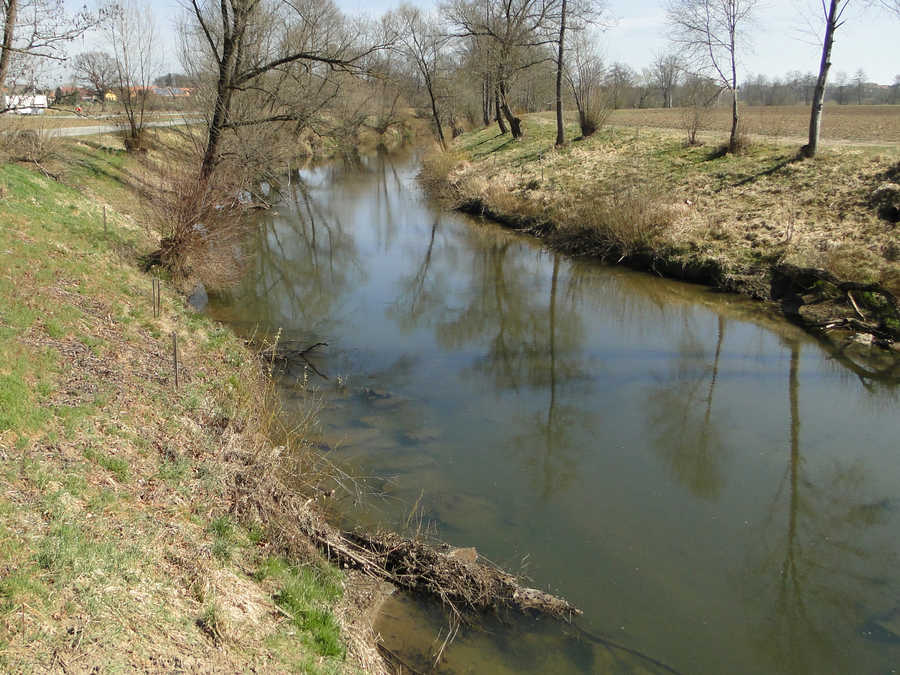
{"x": 823, "y": 566}
{"x": 689, "y": 439}
{"x": 638, "y": 442}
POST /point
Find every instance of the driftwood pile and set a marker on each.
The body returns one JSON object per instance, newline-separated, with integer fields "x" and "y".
{"x": 464, "y": 585}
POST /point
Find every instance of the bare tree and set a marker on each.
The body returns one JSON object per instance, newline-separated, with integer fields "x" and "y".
{"x": 131, "y": 32}
{"x": 711, "y": 31}
{"x": 859, "y": 79}
{"x": 620, "y": 80}
{"x": 38, "y": 29}
{"x": 277, "y": 55}
{"x": 892, "y": 5}
{"x": 560, "y": 66}
{"x": 698, "y": 93}
{"x": 585, "y": 72}
{"x": 517, "y": 31}
{"x": 666, "y": 71}
{"x": 97, "y": 70}
{"x": 841, "y": 80}
{"x": 574, "y": 15}
{"x": 422, "y": 42}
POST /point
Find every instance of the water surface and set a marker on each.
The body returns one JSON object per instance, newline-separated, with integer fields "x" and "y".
{"x": 716, "y": 492}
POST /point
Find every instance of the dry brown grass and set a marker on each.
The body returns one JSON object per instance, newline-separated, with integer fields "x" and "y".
{"x": 876, "y": 124}
{"x": 741, "y": 213}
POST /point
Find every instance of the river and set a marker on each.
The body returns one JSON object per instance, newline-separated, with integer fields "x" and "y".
{"x": 714, "y": 489}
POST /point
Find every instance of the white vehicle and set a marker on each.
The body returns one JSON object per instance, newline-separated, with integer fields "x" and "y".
{"x": 32, "y": 104}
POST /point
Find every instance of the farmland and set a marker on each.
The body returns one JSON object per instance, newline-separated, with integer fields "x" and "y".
{"x": 869, "y": 124}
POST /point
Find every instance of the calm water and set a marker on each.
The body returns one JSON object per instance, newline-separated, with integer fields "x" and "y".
{"x": 712, "y": 488}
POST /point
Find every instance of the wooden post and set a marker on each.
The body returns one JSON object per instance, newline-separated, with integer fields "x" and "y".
{"x": 157, "y": 297}
{"x": 175, "y": 356}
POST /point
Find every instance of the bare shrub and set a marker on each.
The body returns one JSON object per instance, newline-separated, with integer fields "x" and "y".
{"x": 699, "y": 97}
{"x": 740, "y": 143}
{"x": 585, "y": 74}
{"x": 594, "y": 117}
{"x": 202, "y": 226}
{"x": 693, "y": 120}
{"x": 29, "y": 143}
{"x": 435, "y": 175}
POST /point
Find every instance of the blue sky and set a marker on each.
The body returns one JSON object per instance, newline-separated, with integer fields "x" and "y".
{"x": 868, "y": 40}
{"x": 781, "y": 41}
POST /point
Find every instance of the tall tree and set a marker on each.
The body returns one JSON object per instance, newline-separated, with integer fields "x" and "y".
{"x": 280, "y": 51}
{"x": 833, "y": 15}
{"x": 519, "y": 33}
{"x": 132, "y": 36}
{"x": 560, "y": 66}
{"x": 98, "y": 71}
{"x": 859, "y": 79}
{"x": 422, "y": 42}
{"x": 711, "y": 31}
{"x": 574, "y": 15}
{"x": 666, "y": 71}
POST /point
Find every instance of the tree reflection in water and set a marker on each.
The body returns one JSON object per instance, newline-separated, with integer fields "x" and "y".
{"x": 306, "y": 262}
{"x": 533, "y": 348}
{"x": 680, "y": 409}
{"x": 824, "y": 560}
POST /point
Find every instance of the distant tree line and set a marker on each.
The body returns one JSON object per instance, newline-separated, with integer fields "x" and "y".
{"x": 302, "y": 67}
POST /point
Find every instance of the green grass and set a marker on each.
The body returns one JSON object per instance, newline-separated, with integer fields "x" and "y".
{"x": 117, "y": 466}
{"x": 306, "y": 595}
{"x": 223, "y": 533}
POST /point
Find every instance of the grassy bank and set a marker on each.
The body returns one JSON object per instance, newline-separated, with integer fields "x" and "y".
{"x": 121, "y": 542}
{"x": 819, "y": 237}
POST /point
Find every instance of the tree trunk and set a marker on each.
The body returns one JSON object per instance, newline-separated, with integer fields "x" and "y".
{"x": 732, "y": 143}
{"x": 499, "y": 116}
{"x": 434, "y": 112}
{"x": 515, "y": 124}
{"x": 818, "y": 102}
{"x": 220, "y": 110}
{"x": 12, "y": 8}
{"x": 560, "y": 130}
{"x": 486, "y": 100}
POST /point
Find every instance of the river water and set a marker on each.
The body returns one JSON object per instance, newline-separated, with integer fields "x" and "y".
{"x": 716, "y": 491}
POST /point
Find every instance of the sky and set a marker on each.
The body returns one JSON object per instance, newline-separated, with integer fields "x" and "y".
{"x": 780, "y": 42}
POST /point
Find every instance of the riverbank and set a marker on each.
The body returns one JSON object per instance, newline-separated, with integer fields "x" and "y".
{"x": 818, "y": 239}
{"x": 123, "y": 543}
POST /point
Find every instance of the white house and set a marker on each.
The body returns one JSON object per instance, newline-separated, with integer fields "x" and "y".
{"x": 31, "y": 104}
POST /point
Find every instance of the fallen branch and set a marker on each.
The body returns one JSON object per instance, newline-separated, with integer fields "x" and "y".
{"x": 282, "y": 352}
{"x": 855, "y": 306}
{"x": 856, "y": 325}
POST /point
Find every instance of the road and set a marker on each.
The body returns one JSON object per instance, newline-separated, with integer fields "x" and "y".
{"x": 113, "y": 128}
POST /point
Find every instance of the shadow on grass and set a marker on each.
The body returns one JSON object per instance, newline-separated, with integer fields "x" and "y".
{"x": 775, "y": 168}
